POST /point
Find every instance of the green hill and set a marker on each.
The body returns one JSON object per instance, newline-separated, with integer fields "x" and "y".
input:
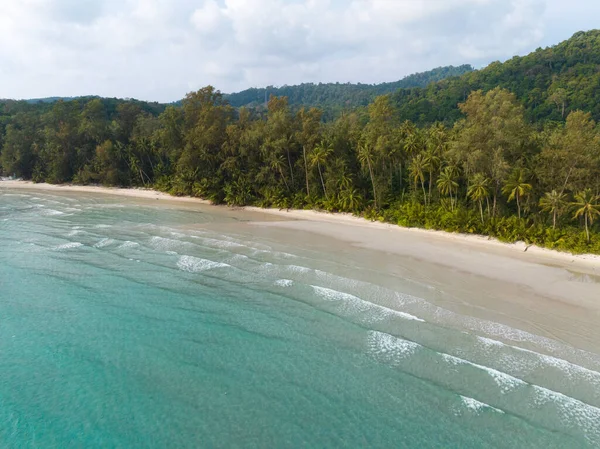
{"x": 340, "y": 95}
{"x": 549, "y": 82}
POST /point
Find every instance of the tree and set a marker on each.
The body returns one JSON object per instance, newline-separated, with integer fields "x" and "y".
{"x": 553, "y": 203}
{"x": 418, "y": 167}
{"x": 478, "y": 191}
{"x": 319, "y": 157}
{"x": 365, "y": 156}
{"x": 446, "y": 183}
{"x": 516, "y": 187}
{"x": 588, "y": 208}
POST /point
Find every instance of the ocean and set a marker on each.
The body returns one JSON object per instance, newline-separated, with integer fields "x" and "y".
{"x": 129, "y": 324}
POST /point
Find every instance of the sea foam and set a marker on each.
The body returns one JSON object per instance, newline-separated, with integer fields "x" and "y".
{"x": 197, "y": 265}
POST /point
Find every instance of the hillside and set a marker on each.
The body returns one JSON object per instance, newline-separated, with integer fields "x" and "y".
{"x": 549, "y": 83}
{"x": 338, "y": 95}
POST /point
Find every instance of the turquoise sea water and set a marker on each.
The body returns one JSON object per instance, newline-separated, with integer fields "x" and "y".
{"x": 125, "y": 325}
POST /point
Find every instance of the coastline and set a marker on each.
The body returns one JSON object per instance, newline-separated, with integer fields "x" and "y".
{"x": 544, "y": 292}
{"x": 589, "y": 261}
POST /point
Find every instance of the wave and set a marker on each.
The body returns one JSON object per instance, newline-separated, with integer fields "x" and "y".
{"x": 477, "y": 406}
{"x": 571, "y": 370}
{"x": 354, "y": 304}
{"x": 128, "y": 244}
{"x": 66, "y": 246}
{"x": 390, "y": 349}
{"x": 570, "y": 412}
{"x": 104, "y": 242}
{"x": 284, "y": 283}
{"x": 197, "y": 265}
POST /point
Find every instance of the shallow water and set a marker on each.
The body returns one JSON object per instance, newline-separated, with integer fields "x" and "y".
{"x": 128, "y": 325}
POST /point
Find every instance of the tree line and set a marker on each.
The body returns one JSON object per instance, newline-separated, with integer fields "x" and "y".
{"x": 493, "y": 172}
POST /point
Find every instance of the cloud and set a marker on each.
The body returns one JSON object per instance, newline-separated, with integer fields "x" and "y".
{"x": 160, "y": 49}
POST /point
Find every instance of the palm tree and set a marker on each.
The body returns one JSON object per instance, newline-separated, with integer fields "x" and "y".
{"x": 418, "y": 166}
{"x": 319, "y": 157}
{"x": 351, "y": 199}
{"x": 433, "y": 161}
{"x": 553, "y": 202}
{"x": 446, "y": 184}
{"x": 516, "y": 187}
{"x": 586, "y": 201}
{"x": 366, "y": 157}
{"x": 479, "y": 191}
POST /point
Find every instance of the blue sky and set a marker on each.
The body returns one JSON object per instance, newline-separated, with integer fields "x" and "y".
{"x": 161, "y": 49}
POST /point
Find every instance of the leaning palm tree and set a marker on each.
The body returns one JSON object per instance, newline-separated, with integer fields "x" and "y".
{"x": 588, "y": 207}
{"x": 318, "y": 158}
{"x": 516, "y": 187}
{"x": 418, "y": 167}
{"x": 553, "y": 203}
{"x": 478, "y": 191}
{"x": 446, "y": 184}
{"x": 366, "y": 157}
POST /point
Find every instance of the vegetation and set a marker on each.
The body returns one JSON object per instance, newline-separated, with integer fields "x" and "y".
{"x": 494, "y": 171}
{"x": 333, "y": 98}
{"x": 549, "y": 83}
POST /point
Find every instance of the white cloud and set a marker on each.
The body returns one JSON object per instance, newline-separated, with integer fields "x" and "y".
{"x": 159, "y": 49}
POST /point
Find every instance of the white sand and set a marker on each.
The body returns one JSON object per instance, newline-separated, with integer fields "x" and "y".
{"x": 518, "y": 249}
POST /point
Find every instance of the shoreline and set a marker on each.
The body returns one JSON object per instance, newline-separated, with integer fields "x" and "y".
{"x": 544, "y": 292}
{"x": 532, "y": 252}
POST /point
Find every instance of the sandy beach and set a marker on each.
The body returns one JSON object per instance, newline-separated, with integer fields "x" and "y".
{"x": 546, "y": 292}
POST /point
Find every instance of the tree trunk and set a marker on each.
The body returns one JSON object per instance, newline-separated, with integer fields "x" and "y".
{"x": 289, "y": 158}
{"x": 518, "y": 205}
{"x": 481, "y": 210}
{"x": 424, "y": 192}
{"x": 430, "y": 181}
{"x": 372, "y": 182}
{"x": 306, "y": 169}
{"x": 554, "y": 220}
{"x": 322, "y": 182}
{"x": 587, "y": 230}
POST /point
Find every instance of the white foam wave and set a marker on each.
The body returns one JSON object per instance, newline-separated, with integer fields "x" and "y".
{"x": 128, "y": 244}
{"x": 165, "y": 244}
{"x": 51, "y": 212}
{"x": 572, "y": 370}
{"x": 298, "y": 269}
{"x": 66, "y": 246}
{"x": 103, "y": 243}
{"x": 284, "y": 283}
{"x": 390, "y": 349}
{"x": 585, "y": 416}
{"x": 196, "y": 265}
{"x": 476, "y": 406}
{"x": 506, "y": 382}
{"x": 354, "y": 304}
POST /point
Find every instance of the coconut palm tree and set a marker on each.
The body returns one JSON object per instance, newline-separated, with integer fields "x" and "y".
{"x": 351, "y": 199}
{"x": 446, "y": 184}
{"x": 553, "y": 203}
{"x": 478, "y": 191}
{"x": 366, "y": 157}
{"x": 588, "y": 207}
{"x": 516, "y": 187}
{"x": 319, "y": 157}
{"x": 418, "y": 167}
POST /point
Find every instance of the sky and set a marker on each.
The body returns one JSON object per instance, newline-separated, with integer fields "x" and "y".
{"x": 161, "y": 49}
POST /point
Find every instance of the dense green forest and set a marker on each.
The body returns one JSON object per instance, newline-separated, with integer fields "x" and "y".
{"x": 549, "y": 83}
{"x": 495, "y": 168}
{"x": 332, "y": 98}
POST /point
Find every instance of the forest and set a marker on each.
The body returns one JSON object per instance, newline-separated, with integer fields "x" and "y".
{"x": 334, "y": 98}
{"x": 496, "y": 166}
